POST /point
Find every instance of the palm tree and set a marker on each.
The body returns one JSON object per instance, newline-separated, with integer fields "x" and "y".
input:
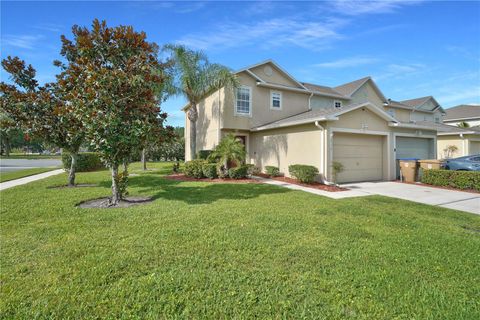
{"x": 463, "y": 124}
{"x": 196, "y": 78}
{"x": 230, "y": 149}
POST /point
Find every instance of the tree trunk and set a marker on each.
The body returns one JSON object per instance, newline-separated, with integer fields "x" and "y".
{"x": 193, "y": 116}
{"x": 7, "y": 147}
{"x": 144, "y": 160}
{"x": 116, "y": 196}
{"x": 73, "y": 169}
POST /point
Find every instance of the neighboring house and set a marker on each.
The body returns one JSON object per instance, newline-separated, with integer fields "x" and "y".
{"x": 283, "y": 121}
{"x": 466, "y": 140}
{"x": 464, "y": 113}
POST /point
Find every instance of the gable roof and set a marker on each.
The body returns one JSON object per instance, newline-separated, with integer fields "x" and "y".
{"x": 327, "y": 114}
{"x": 462, "y": 112}
{"x": 349, "y": 88}
{"x": 416, "y": 103}
{"x": 322, "y": 89}
{"x": 276, "y": 65}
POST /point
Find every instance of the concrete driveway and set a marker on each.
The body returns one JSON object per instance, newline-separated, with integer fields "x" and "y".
{"x": 8, "y": 165}
{"x": 458, "y": 200}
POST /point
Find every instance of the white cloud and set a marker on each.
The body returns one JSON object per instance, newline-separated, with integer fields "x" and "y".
{"x": 398, "y": 71}
{"x": 347, "y": 62}
{"x": 21, "y": 41}
{"x": 267, "y": 34}
{"x": 459, "y": 96}
{"x": 355, "y": 8}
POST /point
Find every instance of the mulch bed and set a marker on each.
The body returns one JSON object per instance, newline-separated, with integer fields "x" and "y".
{"x": 182, "y": 177}
{"x": 439, "y": 187}
{"x": 102, "y": 203}
{"x": 315, "y": 185}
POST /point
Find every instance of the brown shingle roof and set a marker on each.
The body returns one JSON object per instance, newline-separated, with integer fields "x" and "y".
{"x": 321, "y": 89}
{"x": 445, "y": 128}
{"x": 415, "y": 102}
{"x": 348, "y": 88}
{"x": 463, "y": 111}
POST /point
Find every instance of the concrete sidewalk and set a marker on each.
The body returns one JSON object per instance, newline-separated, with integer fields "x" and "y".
{"x": 458, "y": 200}
{"x": 25, "y": 180}
{"x": 452, "y": 199}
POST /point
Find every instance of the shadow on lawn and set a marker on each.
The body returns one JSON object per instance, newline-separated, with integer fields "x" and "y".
{"x": 197, "y": 192}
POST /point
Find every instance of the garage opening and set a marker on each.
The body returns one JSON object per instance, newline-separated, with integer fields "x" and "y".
{"x": 361, "y": 156}
{"x": 413, "y": 147}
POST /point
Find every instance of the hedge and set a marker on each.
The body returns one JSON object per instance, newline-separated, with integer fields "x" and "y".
{"x": 203, "y": 154}
{"x": 252, "y": 169}
{"x": 194, "y": 168}
{"x": 454, "y": 179}
{"x": 238, "y": 172}
{"x": 272, "y": 171}
{"x": 86, "y": 161}
{"x": 303, "y": 173}
{"x": 210, "y": 170}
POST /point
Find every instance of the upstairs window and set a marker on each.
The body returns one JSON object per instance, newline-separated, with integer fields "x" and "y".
{"x": 391, "y": 112}
{"x": 243, "y": 101}
{"x": 337, "y": 104}
{"x": 437, "y": 119}
{"x": 275, "y": 100}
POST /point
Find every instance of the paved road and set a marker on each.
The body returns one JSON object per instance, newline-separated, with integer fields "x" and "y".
{"x": 9, "y": 165}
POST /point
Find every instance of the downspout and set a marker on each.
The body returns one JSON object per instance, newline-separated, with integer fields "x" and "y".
{"x": 310, "y": 105}
{"x": 324, "y": 145}
{"x": 464, "y": 144}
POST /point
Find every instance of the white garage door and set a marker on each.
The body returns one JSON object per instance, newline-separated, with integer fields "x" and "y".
{"x": 361, "y": 156}
{"x": 474, "y": 147}
{"x": 420, "y": 148}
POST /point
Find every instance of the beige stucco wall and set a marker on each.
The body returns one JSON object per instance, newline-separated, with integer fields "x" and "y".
{"x": 319, "y": 102}
{"x": 208, "y": 124}
{"x": 286, "y": 146}
{"x": 445, "y": 141}
{"x": 367, "y": 94}
{"x": 466, "y": 145}
{"x": 277, "y": 76}
{"x": 292, "y": 103}
{"x": 361, "y": 118}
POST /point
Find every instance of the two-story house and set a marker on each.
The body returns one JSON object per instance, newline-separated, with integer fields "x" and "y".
{"x": 283, "y": 121}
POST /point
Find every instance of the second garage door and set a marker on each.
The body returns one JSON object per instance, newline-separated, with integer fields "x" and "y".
{"x": 474, "y": 147}
{"x": 361, "y": 156}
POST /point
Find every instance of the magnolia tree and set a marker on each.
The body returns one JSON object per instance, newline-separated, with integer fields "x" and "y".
{"x": 116, "y": 80}
{"x": 41, "y": 111}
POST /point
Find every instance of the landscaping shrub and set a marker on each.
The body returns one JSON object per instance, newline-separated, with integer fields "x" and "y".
{"x": 238, "y": 172}
{"x": 272, "y": 171}
{"x": 303, "y": 173}
{"x": 454, "y": 179}
{"x": 86, "y": 161}
{"x": 194, "y": 168}
{"x": 203, "y": 154}
{"x": 252, "y": 169}
{"x": 210, "y": 170}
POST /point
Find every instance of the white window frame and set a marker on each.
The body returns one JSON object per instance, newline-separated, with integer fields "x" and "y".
{"x": 392, "y": 112}
{"x": 242, "y": 114}
{"x": 335, "y": 104}
{"x": 272, "y": 92}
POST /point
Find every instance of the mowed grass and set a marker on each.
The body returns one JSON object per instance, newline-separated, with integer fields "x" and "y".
{"x": 7, "y": 176}
{"x": 30, "y": 156}
{"x": 232, "y": 251}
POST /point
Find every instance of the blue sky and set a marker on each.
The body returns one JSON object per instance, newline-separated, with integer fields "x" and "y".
{"x": 411, "y": 49}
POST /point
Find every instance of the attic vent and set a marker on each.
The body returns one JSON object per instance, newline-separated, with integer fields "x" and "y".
{"x": 268, "y": 71}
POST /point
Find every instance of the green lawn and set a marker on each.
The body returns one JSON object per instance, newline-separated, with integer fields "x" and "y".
{"x": 223, "y": 251}
{"x": 30, "y": 156}
{"x": 7, "y": 176}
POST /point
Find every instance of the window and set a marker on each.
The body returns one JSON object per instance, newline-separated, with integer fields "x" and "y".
{"x": 337, "y": 104}
{"x": 391, "y": 112}
{"x": 275, "y": 100}
{"x": 437, "y": 120}
{"x": 243, "y": 101}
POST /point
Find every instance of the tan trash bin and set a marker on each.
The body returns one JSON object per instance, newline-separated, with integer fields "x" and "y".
{"x": 408, "y": 170}
{"x": 430, "y": 164}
